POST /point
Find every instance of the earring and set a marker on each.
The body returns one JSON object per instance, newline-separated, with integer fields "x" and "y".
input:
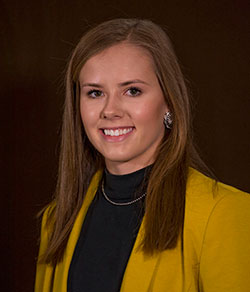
{"x": 168, "y": 121}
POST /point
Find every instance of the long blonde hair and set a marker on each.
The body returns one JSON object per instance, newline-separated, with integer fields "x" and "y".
{"x": 79, "y": 160}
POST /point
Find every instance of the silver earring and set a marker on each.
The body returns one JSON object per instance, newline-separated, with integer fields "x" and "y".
{"x": 168, "y": 121}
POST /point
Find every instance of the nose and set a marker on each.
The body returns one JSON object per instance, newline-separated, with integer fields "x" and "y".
{"x": 112, "y": 108}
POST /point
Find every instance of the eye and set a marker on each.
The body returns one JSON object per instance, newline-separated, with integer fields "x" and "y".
{"x": 94, "y": 93}
{"x": 133, "y": 91}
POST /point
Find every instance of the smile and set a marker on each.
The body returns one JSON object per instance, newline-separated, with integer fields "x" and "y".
{"x": 116, "y": 132}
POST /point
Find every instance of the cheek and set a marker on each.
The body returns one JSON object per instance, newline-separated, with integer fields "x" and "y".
{"x": 88, "y": 115}
{"x": 150, "y": 113}
{"x": 84, "y": 116}
{"x": 87, "y": 118}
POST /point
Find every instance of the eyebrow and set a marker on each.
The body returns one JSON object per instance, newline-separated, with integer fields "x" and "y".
{"x": 120, "y": 84}
{"x": 132, "y": 81}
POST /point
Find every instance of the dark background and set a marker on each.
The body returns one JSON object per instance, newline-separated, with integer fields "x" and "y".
{"x": 211, "y": 39}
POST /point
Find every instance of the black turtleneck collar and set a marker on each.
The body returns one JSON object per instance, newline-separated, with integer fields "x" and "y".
{"x": 127, "y": 186}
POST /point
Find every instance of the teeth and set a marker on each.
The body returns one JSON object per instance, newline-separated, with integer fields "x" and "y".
{"x": 117, "y": 132}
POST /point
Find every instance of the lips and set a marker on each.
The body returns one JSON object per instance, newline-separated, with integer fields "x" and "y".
{"x": 117, "y": 132}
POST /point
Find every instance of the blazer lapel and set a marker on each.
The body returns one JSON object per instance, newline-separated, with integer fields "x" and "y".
{"x": 140, "y": 268}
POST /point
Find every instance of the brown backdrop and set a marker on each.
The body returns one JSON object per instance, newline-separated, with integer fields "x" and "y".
{"x": 212, "y": 41}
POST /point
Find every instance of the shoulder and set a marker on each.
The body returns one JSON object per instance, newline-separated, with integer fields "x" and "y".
{"x": 214, "y": 211}
{"x": 207, "y": 192}
{"x": 47, "y": 215}
{"x": 207, "y": 198}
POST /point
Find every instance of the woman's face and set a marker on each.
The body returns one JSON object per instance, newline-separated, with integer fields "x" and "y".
{"x": 122, "y": 107}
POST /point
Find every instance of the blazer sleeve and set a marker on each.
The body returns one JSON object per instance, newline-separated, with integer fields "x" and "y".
{"x": 225, "y": 255}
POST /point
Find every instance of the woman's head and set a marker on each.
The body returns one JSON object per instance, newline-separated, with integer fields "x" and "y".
{"x": 122, "y": 107}
{"x": 149, "y": 40}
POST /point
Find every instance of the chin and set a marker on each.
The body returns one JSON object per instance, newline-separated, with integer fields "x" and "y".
{"x": 117, "y": 158}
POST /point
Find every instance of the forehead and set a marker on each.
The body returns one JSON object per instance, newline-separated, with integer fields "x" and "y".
{"x": 120, "y": 60}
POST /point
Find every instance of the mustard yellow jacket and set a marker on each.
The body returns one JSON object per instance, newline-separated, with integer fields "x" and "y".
{"x": 216, "y": 246}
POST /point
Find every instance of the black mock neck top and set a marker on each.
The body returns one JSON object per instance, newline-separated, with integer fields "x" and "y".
{"x": 108, "y": 234}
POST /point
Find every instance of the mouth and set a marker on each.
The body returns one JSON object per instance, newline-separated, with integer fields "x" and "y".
{"x": 116, "y": 132}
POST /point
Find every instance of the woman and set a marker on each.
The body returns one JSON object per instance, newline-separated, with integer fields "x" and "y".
{"x": 130, "y": 211}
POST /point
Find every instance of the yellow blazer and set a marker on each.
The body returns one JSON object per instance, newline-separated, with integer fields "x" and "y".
{"x": 216, "y": 255}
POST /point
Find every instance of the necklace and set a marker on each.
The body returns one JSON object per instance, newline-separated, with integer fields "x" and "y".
{"x": 120, "y": 204}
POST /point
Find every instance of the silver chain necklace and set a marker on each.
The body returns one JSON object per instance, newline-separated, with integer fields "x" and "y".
{"x": 120, "y": 204}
